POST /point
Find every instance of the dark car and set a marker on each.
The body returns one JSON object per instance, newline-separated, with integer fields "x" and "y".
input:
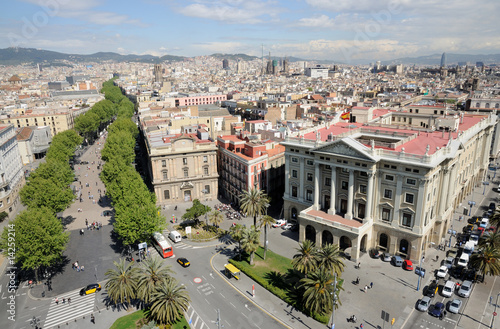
{"x": 438, "y": 310}
{"x": 456, "y": 272}
{"x": 473, "y": 220}
{"x": 431, "y": 289}
{"x": 375, "y": 253}
{"x": 90, "y": 289}
{"x": 492, "y": 206}
{"x": 184, "y": 262}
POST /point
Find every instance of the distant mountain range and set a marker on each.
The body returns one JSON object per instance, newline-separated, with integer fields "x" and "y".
{"x": 16, "y": 56}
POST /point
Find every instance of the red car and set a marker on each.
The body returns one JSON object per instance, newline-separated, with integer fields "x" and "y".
{"x": 408, "y": 265}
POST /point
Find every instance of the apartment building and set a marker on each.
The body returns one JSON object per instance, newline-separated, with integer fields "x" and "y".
{"x": 383, "y": 185}
{"x": 245, "y": 162}
{"x": 182, "y": 167}
{"x": 11, "y": 169}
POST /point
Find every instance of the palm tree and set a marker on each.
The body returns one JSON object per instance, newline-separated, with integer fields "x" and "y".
{"x": 495, "y": 218}
{"x": 266, "y": 221}
{"x": 487, "y": 261}
{"x": 122, "y": 282}
{"x": 491, "y": 239}
{"x": 307, "y": 258}
{"x": 170, "y": 301}
{"x": 319, "y": 290}
{"x": 216, "y": 218}
{"x": 253, "y": 203}
{"x": 237, "y": 234}
{"x": 152, "y": 275}
{"x": 250, "y": 241}
{"x": 329, "y": 257}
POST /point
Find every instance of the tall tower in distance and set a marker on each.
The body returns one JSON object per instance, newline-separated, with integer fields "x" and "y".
{"x": 158, "y": 73}
{"x": 225, "y": 64}
{"x": 443, "y": 60}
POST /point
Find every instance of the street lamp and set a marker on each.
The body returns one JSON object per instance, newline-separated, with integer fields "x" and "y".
{"x": 332, "y": 323}
{"x": 471, "y": 204}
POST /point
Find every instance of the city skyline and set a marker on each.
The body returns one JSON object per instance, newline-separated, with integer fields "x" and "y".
{"x": 335, "y": 30}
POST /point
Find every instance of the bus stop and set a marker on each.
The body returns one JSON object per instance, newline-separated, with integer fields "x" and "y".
{"x": 232, "y": 270}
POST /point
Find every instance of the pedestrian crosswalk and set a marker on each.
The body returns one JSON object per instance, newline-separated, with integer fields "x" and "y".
{"x": 194, "y": 320}
{"x": 74, "y": 307}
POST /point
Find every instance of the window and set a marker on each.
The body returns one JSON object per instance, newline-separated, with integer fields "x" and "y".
{"x": 166, "y": 194}
{"x": 309, "y": 194}
{"x": 186, "y": 172}
{"x": 207, "y": 189}
{"x": 165, "y": 174}
{"x": 344, "y": 185}
{"x": 388, "y": 194}
{"x": 328, "y": 181}
{"x": 389, "y": 177}
{"x": 309, "y": 176}
{"x": 310, "y": 162}
{"x": 164, "y": 163}
{"x": 411, "y": 181}
{"x": 295, "y": 160}
{"x": 184, "y": 161}
{"x": 205, "y": 170}
{"x": 294, "y": 191}
{"x": 409, "y": 198}
{"x": 362, "y": 189}
{"x": 406, "y": 219}
{"x": 386, "y": 214}
{"x": 205, "y": 158}
{"x": 294, "y": 173}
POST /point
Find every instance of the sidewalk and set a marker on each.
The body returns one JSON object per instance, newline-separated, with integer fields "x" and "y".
{"x": 263, "y": 299}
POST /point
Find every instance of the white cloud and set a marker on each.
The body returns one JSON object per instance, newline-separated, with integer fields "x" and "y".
{"x": 232, "y": 11}
{"x": 322, "y": 21}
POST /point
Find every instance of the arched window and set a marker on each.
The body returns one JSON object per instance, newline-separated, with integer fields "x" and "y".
{"x": 497, "y": 105}
{"x": 487, "y": 105}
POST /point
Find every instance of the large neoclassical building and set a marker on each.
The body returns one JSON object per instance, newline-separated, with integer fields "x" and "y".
{"x": 391, "y": 181}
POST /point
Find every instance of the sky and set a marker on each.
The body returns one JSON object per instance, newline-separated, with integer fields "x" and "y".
{"x": 337, "y": 30}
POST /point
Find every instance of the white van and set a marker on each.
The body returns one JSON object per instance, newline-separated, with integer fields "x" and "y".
{"x": 175, "y": 236}
{"x": 469, "y": 247}
{"x": 448, "y": 288}
{"x": 463, "y": 260}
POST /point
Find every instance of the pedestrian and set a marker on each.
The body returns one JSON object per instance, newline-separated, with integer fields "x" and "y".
{"x": 371, "y": 285}
{"x": 361, "y": 326}
{"x": 491, "y": 299}
{"x": 86, "y": 222}
{"x": 64, "y": 300}
{"x": 365, "y": 289}
{"x": 69, "y": 301}
{"x": 57, "y": 301}
{"x": 95, "y": 183}
{"x": 359, "y": 264}
{"x": 92, "y": 319}
{"x": 82, "y": 268}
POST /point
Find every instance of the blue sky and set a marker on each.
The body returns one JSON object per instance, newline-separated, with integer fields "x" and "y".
{"x": 341, "y": 30}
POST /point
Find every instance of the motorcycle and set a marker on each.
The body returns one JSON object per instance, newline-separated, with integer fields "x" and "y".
{"x": 352, "y": 319}
{"x": 356, "y": 282}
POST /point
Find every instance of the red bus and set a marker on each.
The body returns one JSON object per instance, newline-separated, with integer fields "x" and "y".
{"x": 162, "y": 245}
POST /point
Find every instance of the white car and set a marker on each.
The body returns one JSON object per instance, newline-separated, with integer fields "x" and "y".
{"x": 279, "y": 223}
{"x": 287, "y": 226}
{"x": 441, "y": 273}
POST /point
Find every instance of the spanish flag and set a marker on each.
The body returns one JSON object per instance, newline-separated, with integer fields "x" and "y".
{"x": 345, "y": 116}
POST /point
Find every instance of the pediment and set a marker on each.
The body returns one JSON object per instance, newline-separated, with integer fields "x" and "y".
{"x": 186, "y": 185}
{"x": 346, "y": 147}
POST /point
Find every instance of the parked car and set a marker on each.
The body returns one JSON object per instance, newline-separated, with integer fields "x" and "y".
{"x": 454, "y": 306}
{"x": 456, "y": 272}
{"x": 442, "y": 272}
{"x": 448, "y": 288}
{"x": 449, "y": 261}
{"x": 279, "y": 223}
{"x": 386, "y": 257}
{"x": 437, "y": 310}
{"x": 408, "y": 265}
{"x": 492, "y": 206}
{"x": 473, "y": 220}
{"x": 452, "y": 252}
{"x": 287, "y": 226}
{"x": 397, "y": 261}
{"x": 423, "y": 304}
{"x": 375, "y": 253}
{"x": 431, "y": 289}
{"x": 465, "y": 289}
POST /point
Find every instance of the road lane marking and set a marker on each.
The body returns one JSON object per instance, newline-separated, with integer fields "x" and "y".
{"x": 222, "y": 295}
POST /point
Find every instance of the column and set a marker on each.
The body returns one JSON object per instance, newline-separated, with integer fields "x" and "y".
{"x": 249, "y": 177}
{"x": 417, "y": 223}
{"x": 316, "y": 186}
{"x": 287, "y": 177}
{"x": 350, "y": 195}
{"x": 369, "y": 196}
{"x": 397, "y": 200}
{"x": 444, "y": 192}
{"x": 301, "y": 180}
{"x": 333, "y": 187}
